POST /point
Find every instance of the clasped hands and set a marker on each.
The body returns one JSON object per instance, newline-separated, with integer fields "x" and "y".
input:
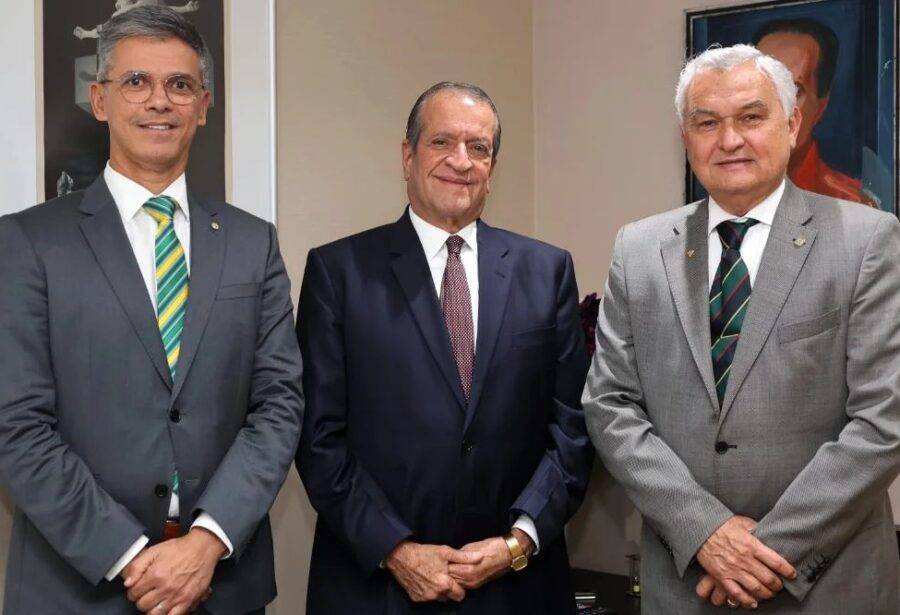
{"x": 438, "y": 572}
{"x": 740, "y": 569}
{"x": 173, "y": 577}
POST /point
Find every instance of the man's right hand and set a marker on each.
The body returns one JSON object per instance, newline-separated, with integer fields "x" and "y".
{"x": 746, "y": 569}
{"x": 423, "y": 570}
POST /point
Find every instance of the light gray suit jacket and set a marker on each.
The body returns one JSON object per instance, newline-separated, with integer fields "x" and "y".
{"x": 809, "y": 430}
{"x": 92, "y": 425}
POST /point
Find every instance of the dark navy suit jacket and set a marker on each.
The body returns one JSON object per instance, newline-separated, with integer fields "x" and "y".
{"x": 390, "y": 450}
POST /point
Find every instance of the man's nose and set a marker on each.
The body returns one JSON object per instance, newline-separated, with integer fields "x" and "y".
{"x": 158, "y": 100}
{"x": 459, "y": 159}
{"x": 730, "y": 138}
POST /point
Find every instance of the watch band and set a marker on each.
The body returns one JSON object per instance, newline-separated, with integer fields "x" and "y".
{"x": 519, "y": 559}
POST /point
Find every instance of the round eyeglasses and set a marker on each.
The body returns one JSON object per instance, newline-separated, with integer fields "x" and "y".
{"x": 137, "y": 87}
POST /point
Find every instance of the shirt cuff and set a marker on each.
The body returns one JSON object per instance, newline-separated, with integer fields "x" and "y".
{"x": 206, "y": 521}
{"x": 126, "y": 558}
{"x": 525, "y": 524}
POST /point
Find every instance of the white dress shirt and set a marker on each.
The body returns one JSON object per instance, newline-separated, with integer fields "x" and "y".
{"x": 754, "y": 241}
{"x": 140, "y": 227}
{"x": 434, "y": 243}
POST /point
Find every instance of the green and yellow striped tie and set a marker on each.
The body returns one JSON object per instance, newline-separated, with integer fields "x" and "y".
{"x": 171, "y": 284}
{"x": 171, "y": 278}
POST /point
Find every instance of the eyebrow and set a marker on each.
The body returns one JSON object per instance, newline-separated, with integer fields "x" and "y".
{"x": 753, "y": 104}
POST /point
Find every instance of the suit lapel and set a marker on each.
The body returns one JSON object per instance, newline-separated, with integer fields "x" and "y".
{"x": 789, "y": 243}
{"x": 411, "y": 271}
{"x": 685, "y": 257}
{"x": 207, "y": 258}
{"x": 105, "y": 234}
{"x": 493, "y": 292}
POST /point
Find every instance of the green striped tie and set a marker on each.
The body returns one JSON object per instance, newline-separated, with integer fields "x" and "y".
{"x": 729, "y": 297}
{"x": 171, "y": 284}
{"x": 171, "y": 278}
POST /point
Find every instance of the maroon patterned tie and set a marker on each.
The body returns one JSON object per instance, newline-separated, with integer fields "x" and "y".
{"x": 456, "y": 303}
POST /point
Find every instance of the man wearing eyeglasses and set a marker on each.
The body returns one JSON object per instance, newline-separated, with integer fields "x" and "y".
{"x": 150, "y": 395}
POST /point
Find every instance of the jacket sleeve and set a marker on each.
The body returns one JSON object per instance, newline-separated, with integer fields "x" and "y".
{"x": 344, "y": 494}
{"x": 557, "y": 487}
{"x": 48, "y": 482}
{"x": 809, "y": 525}
{"x": 681, "y": 512}
{"x": 244, "y": 486}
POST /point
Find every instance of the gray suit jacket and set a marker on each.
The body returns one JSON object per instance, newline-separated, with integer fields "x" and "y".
{"x": 809, "y": 431}
{"x": 91, "y": 424}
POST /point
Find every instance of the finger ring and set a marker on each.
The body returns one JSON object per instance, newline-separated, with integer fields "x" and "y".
{"x": 731, "y": 603}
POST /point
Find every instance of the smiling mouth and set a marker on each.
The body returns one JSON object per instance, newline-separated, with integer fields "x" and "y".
{"x": 157, "y": 126}
{"x": 737, "y": 162}
{"x": 451, "y": 180}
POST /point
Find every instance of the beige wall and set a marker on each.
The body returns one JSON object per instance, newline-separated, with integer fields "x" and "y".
{"x": 347, "y": 75}
{"x": 590, "y": 142}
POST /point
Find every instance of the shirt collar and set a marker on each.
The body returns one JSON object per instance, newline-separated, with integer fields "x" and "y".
{"x": 130, "y": 196}
{"x": 764, "y": 212}
{"x": 434, "y": 239}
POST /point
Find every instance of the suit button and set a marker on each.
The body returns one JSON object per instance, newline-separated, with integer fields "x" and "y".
{"x": 467, "y": 446}
{"x": 161, "y": 491}
{"x": 721, "y": 447}
{"x": 175, "y": 415}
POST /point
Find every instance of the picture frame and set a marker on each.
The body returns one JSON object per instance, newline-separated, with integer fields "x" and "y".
{"x": 246, "y": 94}
{"x": 843, "y": 56}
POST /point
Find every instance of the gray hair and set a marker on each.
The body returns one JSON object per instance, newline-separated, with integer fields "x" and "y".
{"x": 722, "y": 59}
{"x": 153, "y": 21}
{"x": 414, "y": 122}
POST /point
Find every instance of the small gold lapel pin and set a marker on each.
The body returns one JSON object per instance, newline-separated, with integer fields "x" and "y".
{"x": 690, "y": 253}
{"x": 799, "y": 241}
{"x": 215, "y": 226}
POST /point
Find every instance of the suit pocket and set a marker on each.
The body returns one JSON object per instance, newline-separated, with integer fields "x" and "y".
{"x": 534, "y": 337}
{"x": 807, "y": 328}
{"x": 237, "y": 291}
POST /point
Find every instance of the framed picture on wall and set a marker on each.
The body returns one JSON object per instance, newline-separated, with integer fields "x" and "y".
{"x": 59, "y": 146}
{"x": 76, "y": 145}
{"x": 842, "y": 54}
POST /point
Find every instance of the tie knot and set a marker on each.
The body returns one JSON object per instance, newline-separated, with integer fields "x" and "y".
{"x": 161, "y": 208}
{"x": 454, "y": 244}
{"x": 732, "y": 232}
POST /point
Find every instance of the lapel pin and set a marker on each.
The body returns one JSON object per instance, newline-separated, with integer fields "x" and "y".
{"x": 215, "y": 226}
{"x": 690, "y": 253}
{"x": 799, "y": 241}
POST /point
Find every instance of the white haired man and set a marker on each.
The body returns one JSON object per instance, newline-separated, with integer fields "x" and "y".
{"x": 760, "y": 445}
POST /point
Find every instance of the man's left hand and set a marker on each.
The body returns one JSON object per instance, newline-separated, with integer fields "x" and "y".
{"x": 173, "y": 577}
{"x": 495, "y": 562}
{"x": 710, "y": 590}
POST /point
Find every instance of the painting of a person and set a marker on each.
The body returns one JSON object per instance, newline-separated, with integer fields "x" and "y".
{"x": 810, "y": 49}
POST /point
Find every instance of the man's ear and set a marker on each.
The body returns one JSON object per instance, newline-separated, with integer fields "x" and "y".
{"x": 406, "y": 153}
{"x": 98, "y": 101}
{"x": 794, "y": 125}
{"x": 204, "y": 108}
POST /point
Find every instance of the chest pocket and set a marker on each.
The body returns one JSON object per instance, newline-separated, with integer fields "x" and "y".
{"x": 534, "y": 337}
{"x": 237, "y": 291}
{"x": 808, "y": 328}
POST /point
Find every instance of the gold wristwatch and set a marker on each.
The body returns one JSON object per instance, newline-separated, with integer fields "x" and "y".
{"x": 519, "y": 559}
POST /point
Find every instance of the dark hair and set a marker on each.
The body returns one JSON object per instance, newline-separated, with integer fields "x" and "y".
{"x": 825, "y": 38}
{"x": 414, "y": 123}
{"x": 153, "y": 21}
